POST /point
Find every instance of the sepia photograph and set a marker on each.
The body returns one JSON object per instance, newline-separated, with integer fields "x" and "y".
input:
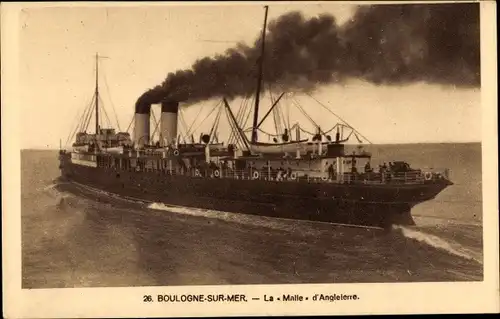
{"x": 244, "y": 145}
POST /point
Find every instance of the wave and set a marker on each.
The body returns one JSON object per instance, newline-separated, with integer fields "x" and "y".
{"x": 440, "y": 243}
{"x": 253, "y": 220}
{"x": 277, "y": 223}
{"x": 110, "y": 195}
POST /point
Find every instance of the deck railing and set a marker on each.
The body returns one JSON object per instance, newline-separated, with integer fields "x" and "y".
{"x": 411, "y": 177}
{"x": 295, "y": 175}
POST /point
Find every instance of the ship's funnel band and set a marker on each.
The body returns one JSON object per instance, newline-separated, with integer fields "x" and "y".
{"x": 170, "y": 107}
{"x": 168, "y": 122}
{"x": 143, "y": 109}
{"x": 141, "y": 129}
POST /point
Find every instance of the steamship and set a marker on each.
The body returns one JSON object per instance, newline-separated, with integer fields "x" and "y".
{"x": 313, "y": 178}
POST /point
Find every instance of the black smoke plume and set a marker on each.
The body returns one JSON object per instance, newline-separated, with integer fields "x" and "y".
{"x": 382, "y": 44}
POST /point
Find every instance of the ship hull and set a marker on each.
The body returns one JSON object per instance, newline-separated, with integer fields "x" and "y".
{"x": 364, "y": 205}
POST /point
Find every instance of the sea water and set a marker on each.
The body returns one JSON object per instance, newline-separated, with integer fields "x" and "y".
{"x": 79, "y": 237}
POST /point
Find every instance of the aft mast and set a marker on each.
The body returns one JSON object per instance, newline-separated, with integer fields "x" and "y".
{"x": 96, "y": 94}
{"x": 259, "y": 81}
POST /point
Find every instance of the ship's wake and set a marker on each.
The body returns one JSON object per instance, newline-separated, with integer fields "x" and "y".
{"x": 453, "y": 248}
{"x": 290, "y": 225}
{"x": 251, "y": 220}
{"x": 258, "y": 221}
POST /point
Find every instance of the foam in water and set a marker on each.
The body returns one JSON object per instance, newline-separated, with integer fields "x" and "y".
{"x": 439, "y": 243}
{"x": 49, "y": 187}
{"x": 253, "y": 220}
{"x": 233, "y": 217}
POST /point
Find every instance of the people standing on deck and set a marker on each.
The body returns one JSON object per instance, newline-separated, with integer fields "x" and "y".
{"x": 382, "y": 171}
{"x": 353, "y": 165}
{"x": 274, "y": 173}
{"x": 368, "y": 168}
{"x": 331, "y": 172}
{"x": 387, "y": 172}
{"x": 224, "y": 167}
{"x": 213, "y": 166}
{"x": 384, "y": 168}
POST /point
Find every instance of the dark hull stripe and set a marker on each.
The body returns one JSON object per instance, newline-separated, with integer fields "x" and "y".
{"x": 336, "y": 203}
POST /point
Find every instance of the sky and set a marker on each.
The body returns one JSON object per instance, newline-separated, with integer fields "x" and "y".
{"x": 143, "y": 44}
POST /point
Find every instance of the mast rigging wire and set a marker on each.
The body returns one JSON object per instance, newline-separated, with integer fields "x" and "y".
{"x": 347, "y": 124}
{"x": 131, "y": 121}
{"x": 105, "y": 113}
{"x": 238, "y": 117}
{"x": 155, "y": 122}
{"x": 183, "y": 124}
{"x": 216, "y": 125}
{"x": 112, "y": 104}
{"x": 194, "y": 121}
{"x": 89, "y": 117}
{"x": 83, "y": 123}
{"x": 79, "y": 123}
{"x": 207, "y": 116}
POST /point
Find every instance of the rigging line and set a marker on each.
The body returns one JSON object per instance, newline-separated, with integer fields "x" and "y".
{"x": 207, "y": 116}
{"x": 131, "y": 121}
{"x": 271, "y": 97}
{"x": 280, "y": 115}
{"x": 328, "y": 109}
{"x": 277, "y": 125}
{"x": 240, "y": 140}
{"x": 357, "y": 137}
{"x": 83, "y": 118}
{"x": 89, "y": 115}
{"x": 112, "y": 104}
{"x": 348, "y": 136}
{"x": 328, "y": 131}
{"x": 248, "y": 112}
{"x": 281, "y": 118}
{"x": 285, "y": 117}
{"x": 307, "y": 132}
{"x": 194, "y": 121}
{"x": 105, "y": 113}
{"x": 325, "y": 132}
{"x": 154, "y": 131}
{"x": 183, "y": 124}
{"x": 86, "y": 114}
{"x": 287, "y": 123}
{"x": 155, "y": 123}
{"x": 309, "y": 117}
{"x": 244, "y": 123}
{"x": 183, "y": 121}
{"x": 233, "y": 128}
{"x": 238, "y": 116}
{"x": 79, "y": 123}
{"x": 75, "y": 124}
{"x": 92, "y": 109}
{"x": 267, "y": 133}
{"x": 216, "y": 125}
{"x": 239, "y": 134}
{"x": 305, "y": 113}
